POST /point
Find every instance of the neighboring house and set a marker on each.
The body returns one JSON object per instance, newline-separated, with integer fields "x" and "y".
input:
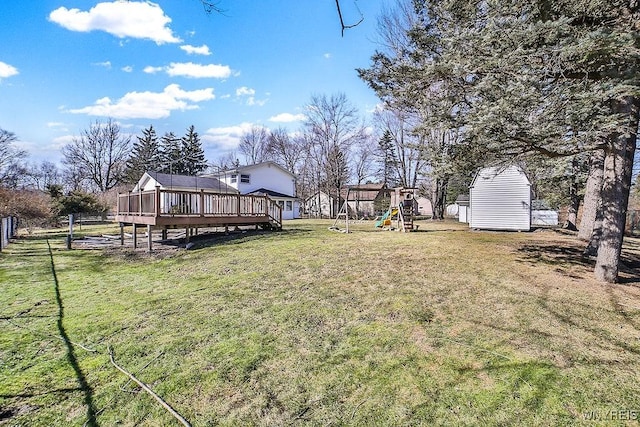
{"x": 366, "y": 200}
{"x": 500, "y": 199}
{"x": 424, "y": 206}
{"x": 265, "y": 178}
{"x": 319, "y": 205}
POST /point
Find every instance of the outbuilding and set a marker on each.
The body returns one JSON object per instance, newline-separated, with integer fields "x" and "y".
{"x": 500, "y": 199}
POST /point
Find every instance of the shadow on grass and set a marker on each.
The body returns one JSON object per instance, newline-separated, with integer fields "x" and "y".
{"x": 562, "y": 256}
{"x": 71, "y": 356}
{"x": 207, "y": 240}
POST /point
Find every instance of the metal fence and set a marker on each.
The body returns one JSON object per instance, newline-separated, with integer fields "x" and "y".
{"x": 8, "y": 230}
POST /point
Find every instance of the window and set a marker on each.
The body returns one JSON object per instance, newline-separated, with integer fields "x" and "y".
{"x": 234, "y": 178}
{"x": 281, "y": 203}
{"x": 246, "y": 179}
{"x": 289, "y": 205}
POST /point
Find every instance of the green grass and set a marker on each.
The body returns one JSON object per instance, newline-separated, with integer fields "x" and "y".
{"x": 313, "y": 327}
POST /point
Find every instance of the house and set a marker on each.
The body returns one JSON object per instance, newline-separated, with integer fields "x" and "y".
{"x": 174, "y": 198}
{"x": 500, "y": 199}
{"x": 164, "y": 201}
{"x": 266, "y": 178}
{"x": 366, "y": 200}
{"x": 319, "y": 204}
{"x": 150, "y": 180}
{"x": 424, "y": 206}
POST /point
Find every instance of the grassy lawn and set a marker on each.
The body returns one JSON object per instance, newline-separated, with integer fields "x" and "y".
{"x": 311, "y": 327}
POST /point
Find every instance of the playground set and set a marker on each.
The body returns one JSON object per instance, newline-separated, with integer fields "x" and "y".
{"x": 399, "y": 215}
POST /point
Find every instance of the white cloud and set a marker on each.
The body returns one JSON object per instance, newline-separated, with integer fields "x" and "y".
{"x": 327, "y": 56}
{"x": 249, "y": 93}
{"x": 189, "y": 69}
{"x": 148, "y": 105}
{"x": 245, "y": 91}
{"x": 196, "y": 50}
{"x": 152, "y": 70}
{"x": 287, "y": 118}
{"x": 61, "y": 141}
{"x": 226, "y": 137}
{"x": 7, "y": 70}
{"x": 105, "y": 64}
{"x": 127, "y": 68}
{"x": 140, "y": 20}
{"x": 253, "y": 101}
{"x": 58, "y": 126}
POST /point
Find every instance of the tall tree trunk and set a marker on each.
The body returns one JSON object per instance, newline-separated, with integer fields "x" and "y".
{"x": 618, "y": 165}
{"x": 596, "y": 233}
{"x": 440, "y": 199}
{"x": 592, "y": 195}
{"x": 572, "y": 212}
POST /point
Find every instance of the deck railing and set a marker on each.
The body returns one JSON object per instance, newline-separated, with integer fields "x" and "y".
{"x": 167, "y": 203}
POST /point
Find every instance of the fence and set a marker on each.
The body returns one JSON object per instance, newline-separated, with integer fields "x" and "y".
{"x": 8, "y": 230}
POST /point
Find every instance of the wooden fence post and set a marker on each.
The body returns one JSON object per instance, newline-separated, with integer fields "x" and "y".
{"x": 157, "y": 202}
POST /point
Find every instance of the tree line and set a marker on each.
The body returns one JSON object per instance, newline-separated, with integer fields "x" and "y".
{"x": 553, "y": 86}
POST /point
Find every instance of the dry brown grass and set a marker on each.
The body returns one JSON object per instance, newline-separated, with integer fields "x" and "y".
{"x": 444, "y": 326}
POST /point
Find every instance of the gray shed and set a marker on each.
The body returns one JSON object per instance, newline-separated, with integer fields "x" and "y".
{"x": 500, "y": 199}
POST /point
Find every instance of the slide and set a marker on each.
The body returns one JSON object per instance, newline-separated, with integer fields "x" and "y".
{"x": 386, "y": 218}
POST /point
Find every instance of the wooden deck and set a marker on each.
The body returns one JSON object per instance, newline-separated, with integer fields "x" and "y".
{"x": 192, "y": 209}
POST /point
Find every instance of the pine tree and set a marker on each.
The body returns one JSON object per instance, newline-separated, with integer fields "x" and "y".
{"x": 388, "y": 171}
{"x": 172, "y": 158}
{"x": 529, "y": 77}
{"x": 145, "y": 155}
{"x": 193, "y": 153}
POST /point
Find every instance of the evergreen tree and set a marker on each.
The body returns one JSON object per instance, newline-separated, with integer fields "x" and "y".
{"x": 388, "y": 171}
{"x": 172, "y": 158}
{"x": 145, "y": 156}
{"x": 529, "y": 77}
{"x": 193, "y": 153}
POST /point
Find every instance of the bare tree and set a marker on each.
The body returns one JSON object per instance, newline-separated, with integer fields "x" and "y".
{"x": 11, "y": 167}
{"x": 284, "y": 149}
{"x": 40, "y": 176}
{"x": 332, "y": 129}
{"x": 99, "y": 155}
{"x": 254, "y": 145}
{"x": 409, "y": 148}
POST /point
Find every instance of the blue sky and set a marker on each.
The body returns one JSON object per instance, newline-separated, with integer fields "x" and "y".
{"x": 66, "y": 63}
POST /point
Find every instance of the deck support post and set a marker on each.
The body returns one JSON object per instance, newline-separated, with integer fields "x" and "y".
{"x": 186, "y": 234}
{"x": 135, "y": 236}
{"x": 156, "y": 202}
{"x": 226, "y": 230}
{"x": 164, "y": 233}
{"x": 149, "y": 240}
{"x": 121, "y": 234}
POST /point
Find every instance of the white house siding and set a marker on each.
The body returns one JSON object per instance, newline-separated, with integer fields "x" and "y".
{"x": 263, "y": 175}
{"x": 500, "y": 200}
